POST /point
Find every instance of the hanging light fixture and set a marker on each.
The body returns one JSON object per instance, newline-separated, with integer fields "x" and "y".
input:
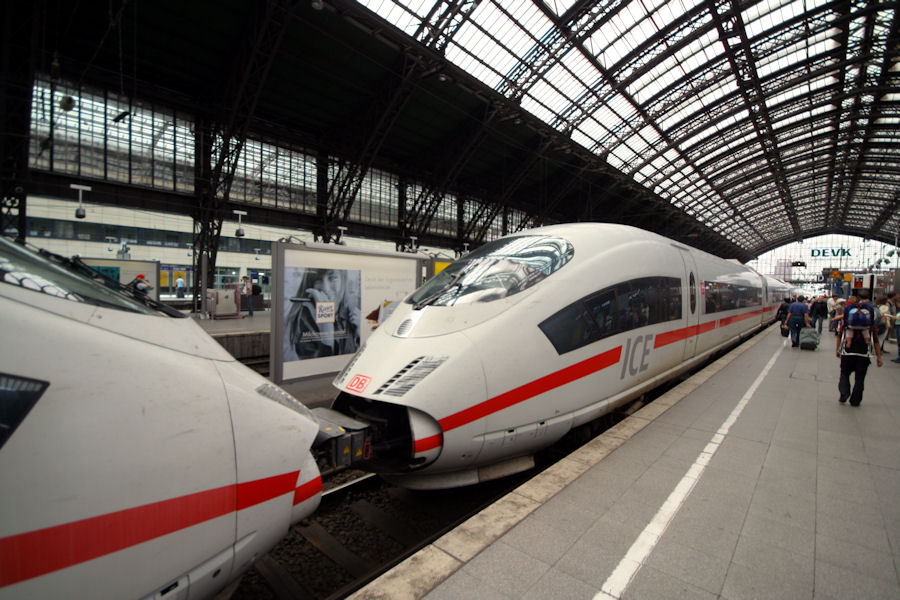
{"x": 80, "y": 212}
{"x": 240, "y": 230}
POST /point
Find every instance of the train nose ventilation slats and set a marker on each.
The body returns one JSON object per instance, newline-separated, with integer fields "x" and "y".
{"x": 410, "y": 375}
{"x": 405, "y": 328}
{"x": 407, "y": 325}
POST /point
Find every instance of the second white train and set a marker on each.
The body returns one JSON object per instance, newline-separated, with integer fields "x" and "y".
{"x": 532, "y": 335}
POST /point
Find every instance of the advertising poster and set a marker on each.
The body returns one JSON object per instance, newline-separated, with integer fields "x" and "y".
{"x": 322, "y": 312}
{"x": 327, "y": 300}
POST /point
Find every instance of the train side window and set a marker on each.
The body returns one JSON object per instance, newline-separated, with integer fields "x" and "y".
{"x": 672, "y": 299}
{"x": 632, "y": 305}
{"x": 711, "y": 294}
{"x": 650, "y": 300}
{"x": 728, "y": 296}
{"x": 606, "y": 312}
{"x": 570, "y": 328}
{"x": 625, "y": 306}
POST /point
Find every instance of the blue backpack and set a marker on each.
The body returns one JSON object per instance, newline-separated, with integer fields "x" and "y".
{"x": 859, "y": 321}
{"x": 861, "y": 317}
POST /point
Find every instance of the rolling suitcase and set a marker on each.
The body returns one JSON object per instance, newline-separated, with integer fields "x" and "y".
{"x": 809, "y": 338}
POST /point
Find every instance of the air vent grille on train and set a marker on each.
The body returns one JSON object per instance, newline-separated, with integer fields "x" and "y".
{"x": 410, "y": 375}
{"x": 405, "y": 327}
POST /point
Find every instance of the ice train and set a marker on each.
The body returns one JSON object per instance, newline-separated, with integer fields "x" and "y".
{"x": 138, "y": 459}
{"x": 532, "y": 335}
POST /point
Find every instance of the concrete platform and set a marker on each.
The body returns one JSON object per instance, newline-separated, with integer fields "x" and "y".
{"x": 749, "y": 480}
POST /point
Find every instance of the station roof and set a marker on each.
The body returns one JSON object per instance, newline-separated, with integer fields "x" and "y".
{"x": 733, "y": 126}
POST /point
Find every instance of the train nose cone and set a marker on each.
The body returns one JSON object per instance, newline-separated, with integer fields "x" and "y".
{"x": 427, "y": 436}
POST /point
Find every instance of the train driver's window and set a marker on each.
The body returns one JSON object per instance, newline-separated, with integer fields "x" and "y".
{"x": 497, "y": 270}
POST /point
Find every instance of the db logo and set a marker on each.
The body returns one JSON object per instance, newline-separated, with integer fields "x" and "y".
{"x": 358, "y": 383}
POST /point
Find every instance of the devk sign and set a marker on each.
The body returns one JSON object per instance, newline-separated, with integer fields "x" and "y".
{"x": 829, "y": 252}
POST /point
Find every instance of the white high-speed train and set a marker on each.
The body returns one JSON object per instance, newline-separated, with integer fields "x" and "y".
{"x": 138, "y": 459}
{"x": 532, "y": 335}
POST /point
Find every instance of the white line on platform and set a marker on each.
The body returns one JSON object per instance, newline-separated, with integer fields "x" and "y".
{"x": 634, "y": 559}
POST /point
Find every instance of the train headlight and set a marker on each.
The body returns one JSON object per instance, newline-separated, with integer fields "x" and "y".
{"x": 17, "y": 396}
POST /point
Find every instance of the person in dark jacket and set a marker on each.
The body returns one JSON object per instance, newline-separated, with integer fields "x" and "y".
{"x": 781, "y": 315}
{"x": 818, "y": 313}
{"x": 798, "y": 316}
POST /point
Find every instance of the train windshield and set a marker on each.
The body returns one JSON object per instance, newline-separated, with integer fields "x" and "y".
{"x": 22, "y": 267}
{"x": 496, "y": 270}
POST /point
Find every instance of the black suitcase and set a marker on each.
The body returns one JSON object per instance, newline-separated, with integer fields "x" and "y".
{"x": 809, "y": 338}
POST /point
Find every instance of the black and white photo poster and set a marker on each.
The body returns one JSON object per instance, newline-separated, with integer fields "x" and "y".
{"x": 327, "y": 300}
{"x": 322, "y": 312}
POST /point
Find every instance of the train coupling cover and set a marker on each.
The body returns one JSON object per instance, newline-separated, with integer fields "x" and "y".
{"x": 341, "y": 440}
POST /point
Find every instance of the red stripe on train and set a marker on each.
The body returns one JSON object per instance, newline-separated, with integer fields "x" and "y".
{"x": 35, "y": 553}
{"x": 670, "y": 337}
{"x": 429, "y": 443}
{"x": 308, "y": 490}
{"x": 532, "y": 389}
{"x": 560, "y": 378}
{"x": 734, "y": 319}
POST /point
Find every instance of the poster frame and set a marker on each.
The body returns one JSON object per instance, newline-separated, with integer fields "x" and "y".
{"x": 288, "y": 255}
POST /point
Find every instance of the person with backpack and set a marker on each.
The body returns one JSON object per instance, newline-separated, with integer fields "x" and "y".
{"x": 858, "y": 339}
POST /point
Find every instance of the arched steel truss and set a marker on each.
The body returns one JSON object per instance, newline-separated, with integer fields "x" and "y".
{"x": 736, "y": 126}
{"x": 765, "y": 121}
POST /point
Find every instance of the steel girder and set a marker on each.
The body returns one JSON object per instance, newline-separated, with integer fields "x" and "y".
{"x": 437, "y": 29}
{"x": 223, "y": 140}
{"x": 418, "y": 216}
{"x": 867, "y": 114}
{"x": 17, "y": 72}
{"x": 347, "y": 180}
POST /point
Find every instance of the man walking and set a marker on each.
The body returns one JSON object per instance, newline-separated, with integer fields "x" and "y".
{"x": 818, "y": 313}
{"x": 892, "y": 324}
{"x": 854, "y": 346}
{"x": 798, "y": 316}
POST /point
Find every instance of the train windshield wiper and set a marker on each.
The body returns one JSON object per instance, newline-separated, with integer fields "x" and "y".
{"x": 454, "y": 282}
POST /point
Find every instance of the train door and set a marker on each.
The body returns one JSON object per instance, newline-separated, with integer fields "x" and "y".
{"x": 692, "y": 306}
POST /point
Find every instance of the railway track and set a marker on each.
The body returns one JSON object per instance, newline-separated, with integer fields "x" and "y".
{"x": 364, "y": 526}
{"x": 361, "y": 529}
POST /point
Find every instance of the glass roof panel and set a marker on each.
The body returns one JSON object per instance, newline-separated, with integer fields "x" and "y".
{"x": 538, "y": 109}
{"x": 508, "y": 32}
{"x": 404, "y": 15}
{"x": 687, "y": 87}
